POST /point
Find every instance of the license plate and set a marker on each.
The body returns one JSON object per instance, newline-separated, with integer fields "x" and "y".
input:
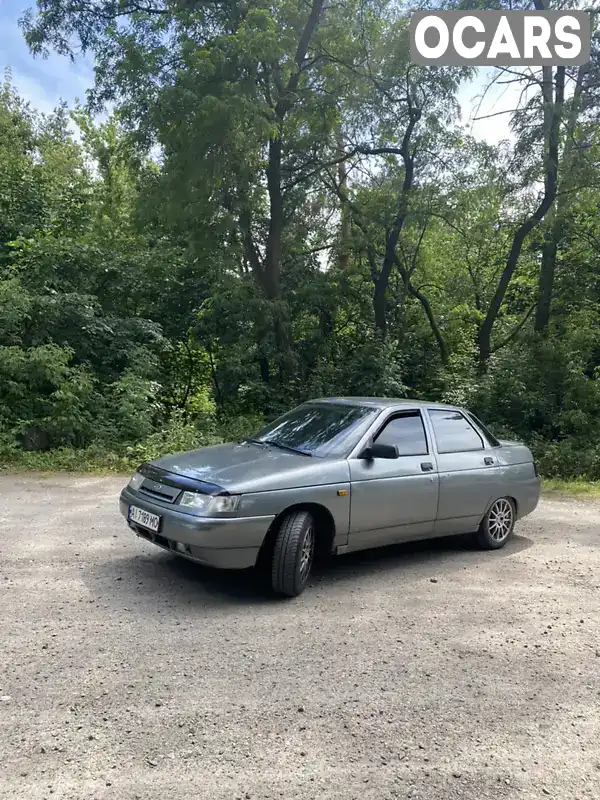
{"x": 144, "y": 518}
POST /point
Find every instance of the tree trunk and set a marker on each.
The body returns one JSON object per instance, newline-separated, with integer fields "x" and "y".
{"x": 344, "y": 246}
{"x": 272, "y": 263}
{"x": 379, "y": 302}
{"x": 382, "y": 279}
{"x": 546, "y": 280}
{"x": 267, "y": 269}
{"x": 550, "y": 249}
{"x": 553, "y": 98}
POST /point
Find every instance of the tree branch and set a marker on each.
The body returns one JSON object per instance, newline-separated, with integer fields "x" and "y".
{"x": 513, "y": 333}
{"x": 418, "y": 295}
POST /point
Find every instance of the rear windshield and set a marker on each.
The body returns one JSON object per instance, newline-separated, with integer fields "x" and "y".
{"x": 327, "y": 429}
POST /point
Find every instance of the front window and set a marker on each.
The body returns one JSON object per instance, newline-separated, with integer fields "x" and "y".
{"x": 407, "y": 433}
{"x": 326, "y": 429}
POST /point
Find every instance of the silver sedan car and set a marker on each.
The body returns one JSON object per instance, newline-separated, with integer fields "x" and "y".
{"x": 329, "y": 477}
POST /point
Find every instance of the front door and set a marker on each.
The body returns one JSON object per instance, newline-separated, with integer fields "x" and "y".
{"x": 468, "y": 469}
{"x": 394, "y": 499}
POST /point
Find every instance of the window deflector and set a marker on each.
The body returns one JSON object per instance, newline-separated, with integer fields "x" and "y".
{"x": 413, "y": 413}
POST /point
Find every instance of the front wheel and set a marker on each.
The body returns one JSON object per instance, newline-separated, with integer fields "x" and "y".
{"x": 293, "y": 553}
{"x": 497, "y": 525}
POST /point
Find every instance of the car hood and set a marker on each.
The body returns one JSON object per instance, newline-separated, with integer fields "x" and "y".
{"x": 248, "y": 467}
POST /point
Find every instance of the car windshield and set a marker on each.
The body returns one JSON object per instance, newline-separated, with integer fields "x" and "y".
{"x": 327, "y": 429}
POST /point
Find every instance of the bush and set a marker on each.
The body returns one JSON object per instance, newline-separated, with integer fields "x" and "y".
{"x": 234, "y": 429}
{"x": 131, "y": 408}
{"x": 173, "y": 437}
{"x": 567, "y": 459}
{"x": 95, "y": 458}
{"x": 45, "y": 400}
{"x": 541, "y": 391}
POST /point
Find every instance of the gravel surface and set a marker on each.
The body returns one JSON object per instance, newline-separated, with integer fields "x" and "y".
{"x": 429, "y": 671}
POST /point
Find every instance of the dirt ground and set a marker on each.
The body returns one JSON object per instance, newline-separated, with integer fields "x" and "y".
{"x": 429, "y": 671}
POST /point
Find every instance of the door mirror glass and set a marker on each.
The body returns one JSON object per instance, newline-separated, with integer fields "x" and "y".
{"x": 380, "y": 450}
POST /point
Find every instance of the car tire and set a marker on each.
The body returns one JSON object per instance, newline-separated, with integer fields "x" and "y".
{"x": 497, "y": 526}
{"x": 293, "y": 553}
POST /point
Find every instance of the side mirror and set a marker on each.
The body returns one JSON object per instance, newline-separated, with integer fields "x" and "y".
{"x": 379, "y": 450}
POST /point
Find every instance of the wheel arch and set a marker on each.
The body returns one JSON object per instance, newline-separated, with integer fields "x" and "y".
{"x": 510, "y": 497}
{"x": 323, "y": 519}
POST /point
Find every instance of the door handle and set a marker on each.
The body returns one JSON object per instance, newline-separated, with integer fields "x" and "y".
{"x": 488, "y": 460}
{"x": 426, "y": 466}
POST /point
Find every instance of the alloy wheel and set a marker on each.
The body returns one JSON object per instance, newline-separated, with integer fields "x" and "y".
{"x": 500, "y": 520}
{"x": 306, "y": 554}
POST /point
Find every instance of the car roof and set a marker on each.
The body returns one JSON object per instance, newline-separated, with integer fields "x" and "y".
{"x": 382, "y": 402}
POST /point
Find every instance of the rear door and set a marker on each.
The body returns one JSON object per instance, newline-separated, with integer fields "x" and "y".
{"x": 394, "y": 499}
{"x": 468, "y": 469}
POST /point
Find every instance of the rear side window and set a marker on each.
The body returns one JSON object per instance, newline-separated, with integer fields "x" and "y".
{"x": 407, "y": 433}
{"x": 485, "y": 430}
{"x": 453, "y": 433}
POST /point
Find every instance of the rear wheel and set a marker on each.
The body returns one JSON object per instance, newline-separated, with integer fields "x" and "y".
{"x": 498, "y": 524}
{"x": 293, "y": 553}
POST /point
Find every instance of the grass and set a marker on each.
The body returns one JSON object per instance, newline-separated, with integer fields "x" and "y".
{"x": 573, "y": 487}
{"x": 90, "y": 461}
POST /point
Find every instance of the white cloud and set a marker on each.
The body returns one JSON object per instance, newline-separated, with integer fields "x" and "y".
{"x": 486, "y": 109}
{"x": 32, "y": 91}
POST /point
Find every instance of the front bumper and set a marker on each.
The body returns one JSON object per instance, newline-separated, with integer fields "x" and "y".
{"x": 227, "y": 543}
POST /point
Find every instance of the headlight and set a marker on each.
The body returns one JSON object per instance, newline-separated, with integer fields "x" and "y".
{"x": 225, "y": 504}
{"x": 220, "y": 504}
{"x": 136, "y": 481}
{"x": 194, "y": 500}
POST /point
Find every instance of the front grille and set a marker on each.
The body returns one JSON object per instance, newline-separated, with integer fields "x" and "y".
{"x": 159, "y": 491}
{"x": 168, "y": 498}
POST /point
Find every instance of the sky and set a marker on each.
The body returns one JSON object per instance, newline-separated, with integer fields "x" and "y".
{"x": 45, "y": 82}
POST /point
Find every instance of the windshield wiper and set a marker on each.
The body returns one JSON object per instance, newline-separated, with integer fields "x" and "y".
{"x": 284, "y": 447}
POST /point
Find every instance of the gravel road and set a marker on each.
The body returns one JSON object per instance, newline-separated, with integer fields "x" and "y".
{"x": 429, "y": 671}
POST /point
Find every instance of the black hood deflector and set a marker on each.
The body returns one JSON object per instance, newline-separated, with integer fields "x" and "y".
{"x": 182, "y": 482}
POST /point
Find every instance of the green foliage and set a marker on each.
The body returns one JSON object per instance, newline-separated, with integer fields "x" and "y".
{"x": 546, "y": 392}
{"x": 545, "y": 389}
{"x": 214, "y": 252}
{"x": 173, "y": 437}
{"x": 95, "y": 458}
{"x": 44, "y": 399}
{"x": 568, "y": 459}
{"x": 240, "y": 427}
